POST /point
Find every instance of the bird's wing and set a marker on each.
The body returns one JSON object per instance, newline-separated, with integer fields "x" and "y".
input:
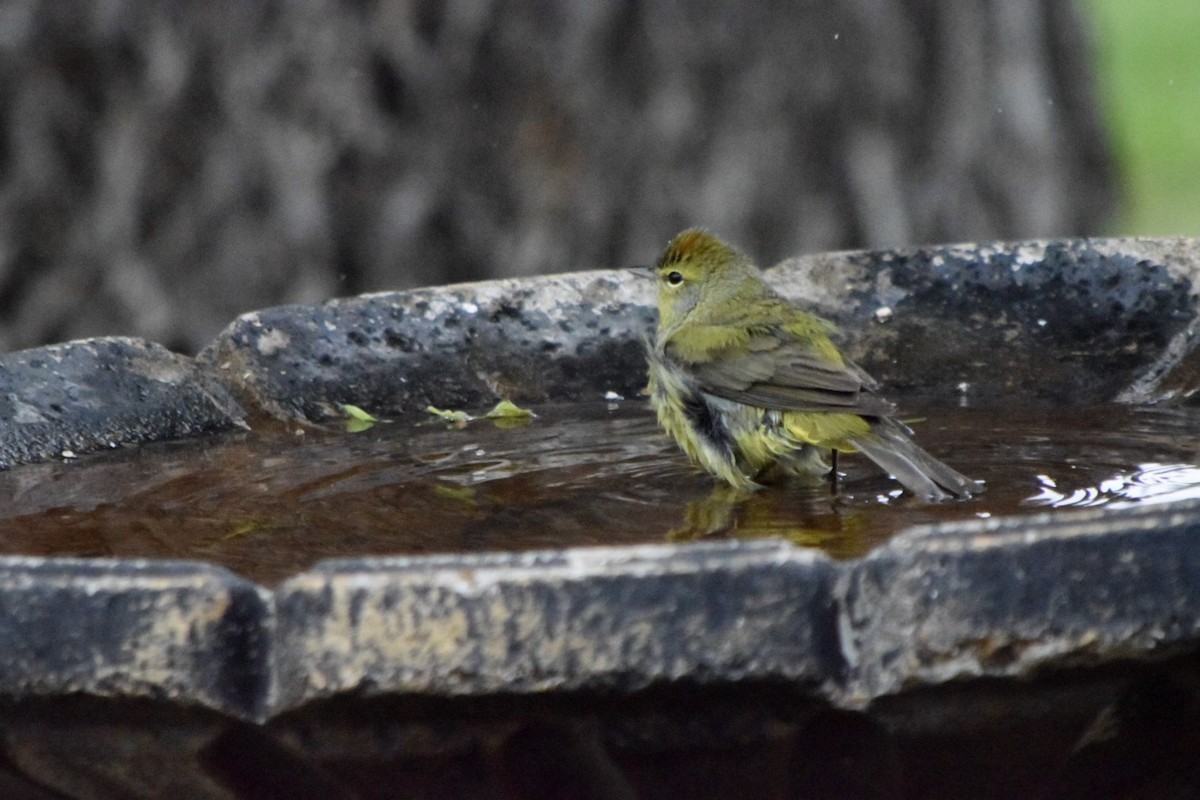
{"x": 775, "y": 370}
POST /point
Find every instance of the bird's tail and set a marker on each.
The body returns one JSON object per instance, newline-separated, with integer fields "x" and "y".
{"x": 889, "y": 446}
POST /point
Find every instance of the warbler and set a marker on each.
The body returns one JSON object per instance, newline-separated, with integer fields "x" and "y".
{"x": 750, "y": 385}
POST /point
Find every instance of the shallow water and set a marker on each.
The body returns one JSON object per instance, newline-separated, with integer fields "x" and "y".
{"x": 270, "y": 503}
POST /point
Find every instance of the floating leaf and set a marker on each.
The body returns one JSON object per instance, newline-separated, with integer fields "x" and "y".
{"x": 507, "y": 409}
{"x": 464, "y": 495}
{"x": 354, "y": 412}
{"x": 454, "y": 417}
{"x": 357, "y": 420}
{"x": 239, "y": 528}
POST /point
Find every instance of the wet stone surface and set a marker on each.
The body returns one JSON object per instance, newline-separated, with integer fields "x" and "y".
{"x": 1075, "y": 321}
{"x": 97, "y": 394}
{"x": 1080, "y": 321}
{"x": 562, "y": 338}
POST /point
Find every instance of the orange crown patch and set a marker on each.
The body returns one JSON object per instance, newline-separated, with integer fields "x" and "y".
{"x": 692, "y": 243}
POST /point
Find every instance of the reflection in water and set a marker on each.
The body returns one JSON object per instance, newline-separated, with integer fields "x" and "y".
{"x": 272, "y": 502}
{"x": 807, "y": 515}
{"x": 1153, "y": 483}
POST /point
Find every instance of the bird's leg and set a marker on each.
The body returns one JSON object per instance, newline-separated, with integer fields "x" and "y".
{"x": 833, "y": 472}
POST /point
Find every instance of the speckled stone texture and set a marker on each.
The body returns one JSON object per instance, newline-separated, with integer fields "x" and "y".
{"x": 167, "y": 630}
{"x": 1077, "y": 321}
{"x": 616, "y": 619}
{"x": 1073, "y": 321}
{"x": 550, "y": 338}
{"x": 78, "y": 397}
{"x": 1003, "y": 598}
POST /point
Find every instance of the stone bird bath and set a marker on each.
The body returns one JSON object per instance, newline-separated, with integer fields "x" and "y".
{"x": 1049, "y": 655}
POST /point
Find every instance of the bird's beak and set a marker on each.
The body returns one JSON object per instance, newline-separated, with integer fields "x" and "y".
{"x": 642, "y": 272}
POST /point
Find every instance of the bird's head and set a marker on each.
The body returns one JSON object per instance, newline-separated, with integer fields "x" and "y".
{"x": 699, "y": 271}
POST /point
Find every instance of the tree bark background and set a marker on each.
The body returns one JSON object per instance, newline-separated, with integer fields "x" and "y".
{"x": 168, "y": 164}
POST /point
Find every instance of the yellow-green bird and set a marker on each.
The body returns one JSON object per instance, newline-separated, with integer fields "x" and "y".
{"x": 748, "y": 384}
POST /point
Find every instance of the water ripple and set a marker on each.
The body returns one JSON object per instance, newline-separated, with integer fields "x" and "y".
{"x": 1151, "y": 482}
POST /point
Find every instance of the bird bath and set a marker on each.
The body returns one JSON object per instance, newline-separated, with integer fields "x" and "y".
{"x": 519, "y": 611}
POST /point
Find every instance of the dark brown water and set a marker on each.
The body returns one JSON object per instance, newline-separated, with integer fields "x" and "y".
{"x": 270, "y": 503}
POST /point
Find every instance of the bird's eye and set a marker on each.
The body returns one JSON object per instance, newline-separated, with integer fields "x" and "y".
{"x": 674, "y": 278}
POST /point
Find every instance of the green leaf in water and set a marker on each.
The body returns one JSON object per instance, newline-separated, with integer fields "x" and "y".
{"x": 354, "y": 412}
{"x": 357, "y": 420}
{"x": 507, "y": 414}
{"x": 239, "y": 528}
{"x": 463, "y": 495}
{"x": 507, "y": 409}
{"x": 454, "y": 417}
{"x": 504, "y": 414}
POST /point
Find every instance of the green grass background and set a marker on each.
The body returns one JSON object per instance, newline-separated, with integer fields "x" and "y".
{"x": 1148, "y": 54}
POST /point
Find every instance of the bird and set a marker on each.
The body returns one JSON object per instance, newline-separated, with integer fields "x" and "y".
{"x": 752, "y": 387}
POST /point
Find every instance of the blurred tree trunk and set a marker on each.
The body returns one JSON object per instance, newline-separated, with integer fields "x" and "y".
{"x": 166, "y": 165}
